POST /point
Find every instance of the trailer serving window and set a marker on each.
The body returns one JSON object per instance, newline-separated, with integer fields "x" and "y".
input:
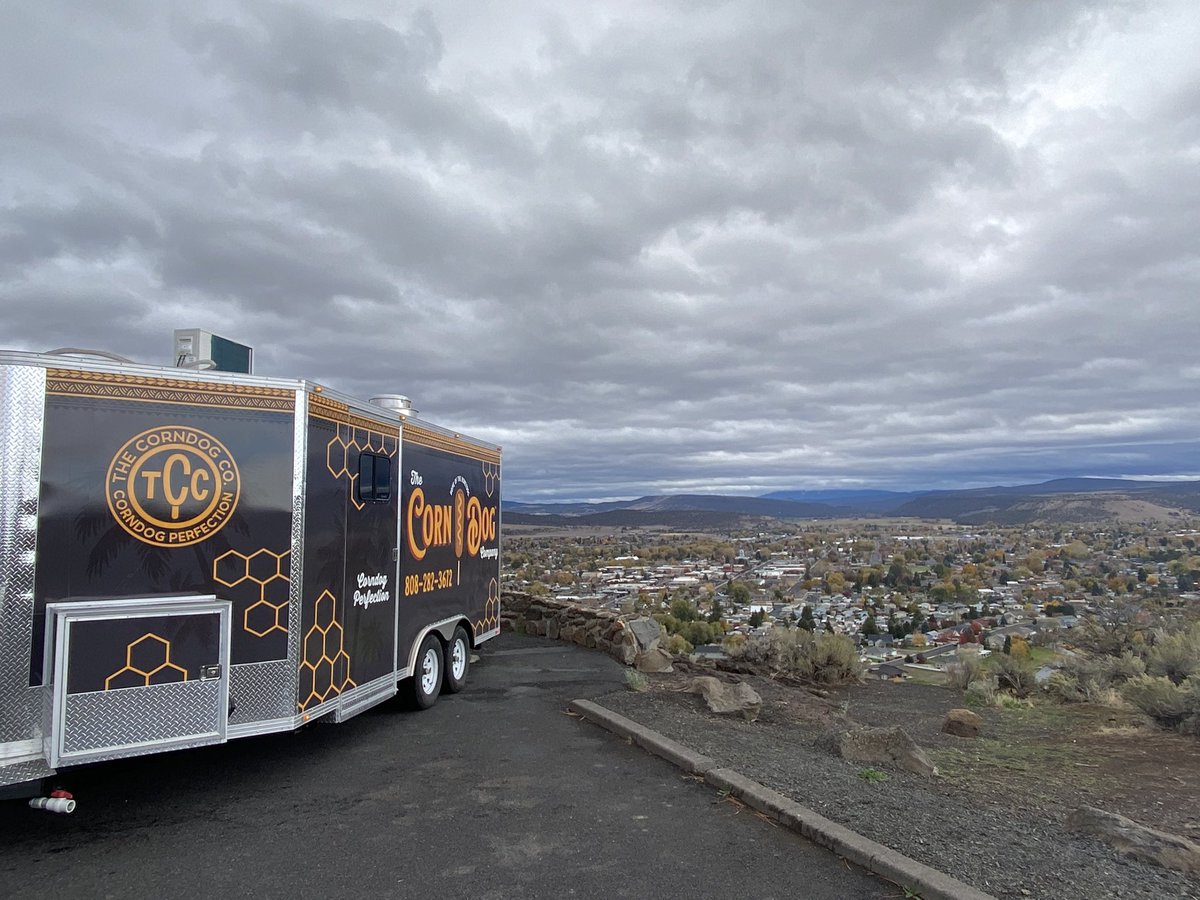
{"x": 374, "y": 477}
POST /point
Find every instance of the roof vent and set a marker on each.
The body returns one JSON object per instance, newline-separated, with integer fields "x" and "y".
{"x": 398, "y": 403}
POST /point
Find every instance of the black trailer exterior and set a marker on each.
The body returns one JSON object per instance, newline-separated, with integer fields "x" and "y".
{"x": 189, "y": 557}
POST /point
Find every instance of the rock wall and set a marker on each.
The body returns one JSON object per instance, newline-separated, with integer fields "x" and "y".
{"x": 599, "y": 629}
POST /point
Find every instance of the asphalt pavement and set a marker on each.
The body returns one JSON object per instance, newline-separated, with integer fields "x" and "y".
{"x": 493, "y": 793}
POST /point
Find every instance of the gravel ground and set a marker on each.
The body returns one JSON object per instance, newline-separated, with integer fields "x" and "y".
{"x": 1008, "y": 850}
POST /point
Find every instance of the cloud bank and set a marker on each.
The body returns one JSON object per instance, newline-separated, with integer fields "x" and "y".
{"x": 691, "y": 246}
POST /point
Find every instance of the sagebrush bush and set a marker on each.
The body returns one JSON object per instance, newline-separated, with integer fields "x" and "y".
{"x": 1120, "y": 669}
{"x": 1088, "y": 679}
{"x": 1161, "y": 699}
{"x": 963, "y": 672}
{"x": 823, "y": 658}
{"x": 1191, "y": 689}
{"x": 1067, "y": 686}
{"x": 1175, "y": 655}
{"x": 981, "y": 692}
{"x": 834, "y": 660}
{"x": 636, "y": 681}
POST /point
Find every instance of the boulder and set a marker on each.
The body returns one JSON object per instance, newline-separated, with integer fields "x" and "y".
{"x": 647, "y": 631}
{"x": 1137, "y": 841}
{"x": 655, "y": 660}
{"x": 552, "y": 629}
{"x": 727, "y": 699}
{"x": 962, "y": 722}
{"x": 627, "y": 648}
{"x": 888, "y": 747}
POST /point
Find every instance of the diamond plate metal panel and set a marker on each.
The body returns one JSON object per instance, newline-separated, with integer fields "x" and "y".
{"x": 142, "y": 715}
{"x": 22, "y": 405}
{"x": 24, "y": 771}
{"x": 261, "y": 692}
{"x": 295, "y": 592}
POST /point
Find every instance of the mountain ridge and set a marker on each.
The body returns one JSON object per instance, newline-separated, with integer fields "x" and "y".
{"x": 1056, "y": 500}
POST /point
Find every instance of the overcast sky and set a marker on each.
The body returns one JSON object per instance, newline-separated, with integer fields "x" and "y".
{"x": 646, "y": 247}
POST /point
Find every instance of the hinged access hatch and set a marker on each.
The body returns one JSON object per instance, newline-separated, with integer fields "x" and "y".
{"x": 129, "y": 677}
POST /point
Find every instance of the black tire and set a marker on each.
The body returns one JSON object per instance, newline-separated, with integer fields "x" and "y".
{"x": 458, "y": 660}
{"x": 426, "y": 681}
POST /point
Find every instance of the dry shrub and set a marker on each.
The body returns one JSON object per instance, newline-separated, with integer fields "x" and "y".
{"x": 1086, "y": 679}
{"x": 1015, "y": 675}
{"x": 981, "y": 692}
{"x": 1162, "y": 700}
{"x": 834, "y": 660}
{"x": 822, "y": 658}
{"x": 1121, "y": 668}
{"x": 963, "y": 672}
{"x": 1175, "y": 655}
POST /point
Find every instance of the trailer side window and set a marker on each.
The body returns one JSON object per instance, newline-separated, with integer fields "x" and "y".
{"x": 374, "y": 477}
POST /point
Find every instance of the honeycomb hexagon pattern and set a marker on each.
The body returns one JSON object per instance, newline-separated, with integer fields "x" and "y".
{"x": 325, "y": 668}
{"x": 491, "y": 610}
{"x": 264, "y": 568}
{"x": 491, "y": 475}
{"x": 338, "y": 458}
{"x": 147, "y": 662}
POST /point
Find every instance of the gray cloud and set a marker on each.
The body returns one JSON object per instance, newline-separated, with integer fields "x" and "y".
{"x": 700, "y": 246}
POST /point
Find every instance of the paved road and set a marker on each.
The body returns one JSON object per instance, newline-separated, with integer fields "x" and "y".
{"x": 493, "y": 793}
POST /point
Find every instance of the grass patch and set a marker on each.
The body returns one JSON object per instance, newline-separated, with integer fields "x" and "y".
{"x": 872, "y": 775}
{"x": 935, "y": 679}
{"x": 1036, "y": 742}
{"x": 636, "y": 681}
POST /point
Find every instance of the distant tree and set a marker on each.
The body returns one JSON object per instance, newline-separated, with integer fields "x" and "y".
{"x": 806, "y": 619}
{"x": 757, "y": 618}
{"x": 717, "y": 612}
{"x": 869, "y": 626}
{"x": 1008, "y": 644}
{"x": 677, "y": 644}
{"x": 739, "y": 593}
{"x": 684, "y": 610}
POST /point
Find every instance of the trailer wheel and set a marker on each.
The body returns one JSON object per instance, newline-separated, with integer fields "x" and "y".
{"x": 426, "y": 682}
{"x": 458, "y": 660}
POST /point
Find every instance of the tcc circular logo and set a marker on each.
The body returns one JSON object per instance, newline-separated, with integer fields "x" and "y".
{"x": 172, "y": 486}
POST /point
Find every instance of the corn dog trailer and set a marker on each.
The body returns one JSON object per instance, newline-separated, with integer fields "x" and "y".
{"x": 189, "y": 557}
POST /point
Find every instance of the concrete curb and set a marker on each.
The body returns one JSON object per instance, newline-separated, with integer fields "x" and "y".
{"x": 928, "y": 882}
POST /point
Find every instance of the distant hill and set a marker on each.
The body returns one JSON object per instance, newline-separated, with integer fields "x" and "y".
{"x": 711, "y": 510}
{"x": 1062, "y": 500}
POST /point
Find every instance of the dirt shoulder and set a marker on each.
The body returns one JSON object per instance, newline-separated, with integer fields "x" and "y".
{"x": 994, "y": 815}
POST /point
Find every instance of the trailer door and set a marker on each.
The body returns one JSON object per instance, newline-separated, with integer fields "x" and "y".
{"x": 348, "y": 629}
{"x": 128, "y": 677}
